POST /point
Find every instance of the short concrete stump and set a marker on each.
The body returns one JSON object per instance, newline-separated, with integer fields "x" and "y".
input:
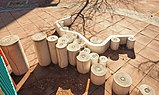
{"x": 14, "y": 52}
{"x": 62, "y": 54}
{"x": 94, "y": 58}
{"x": 96, "y": 40}
{"x": 42, "y": 48}
{"x": 121, "y": 83}
{"x": 115, "y": 43}
{"x": 103, "y": 60}
{"x": 146, "y": 90}
{"x": 98, "y": 73}
{"x": 83, "y": 62}
{"x": 87, "y": 50}
{"x": 130, "y": 42}
{"x": 73, "y": 50}
{"x": 52, "y": 40}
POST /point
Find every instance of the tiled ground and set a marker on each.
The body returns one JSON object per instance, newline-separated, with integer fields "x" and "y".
{"x": 142, "y": 64}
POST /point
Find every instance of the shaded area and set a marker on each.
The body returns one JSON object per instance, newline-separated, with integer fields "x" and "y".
{"x": 114, "y": 55}
{"x": 47, "y": 80}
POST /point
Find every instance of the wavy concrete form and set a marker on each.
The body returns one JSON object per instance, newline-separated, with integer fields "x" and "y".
{"x": 61, "y": 24}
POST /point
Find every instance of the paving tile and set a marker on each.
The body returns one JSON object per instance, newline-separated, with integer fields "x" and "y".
{"x": 23, "y": 21}
{"x": 3, "y": 34}
{"x": 140, "y": 58}
{"x": 140, "y": 23}
{"x": 135, "y": 91}
{"x": 149, "y": 33}
{"x": 18, "y": 31}
{"x": 138, "y": 47}
{"x": 127, "y": 32}
{"x": 151, "y": 82}
{"x": 12, "y": 25}
{"x": 157, "y": 38}
{"x": 143, "y": 39}
{"x": 136, "y": 74}
{"x": 135, "y": 27}
{"x": 153, "y": 27}
{"x": 143, "y": 66}
{"x": 116, "y": 28}
{"x": 154, "y": 45}
{"x": 3, "y": 29}
{"x": 29, "y": 27}
{"x": 108, "y": 85}
{"x": 114, "y": 65}
{"x": 150, "y": 54}
{"x": 154, "y": 72}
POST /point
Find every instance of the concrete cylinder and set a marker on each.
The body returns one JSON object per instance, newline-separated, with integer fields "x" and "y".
{"x": 121, "y": 83}
{"x": 63, "y": 40}
{"x": 42, "y": 48}
{"x": 98, "y": 73}
{"x": 86, "y": 50}
{"x": 146, "y": 90}
{"x": 73, "y": 50}
{"x": 69, "y": 36}
{"x": 115, "y": 43}
{"x": 130, "y": 42}
{"x": 103, "y": 60}
{"x": 83, "y": 62}
{"x": 94, "y": 58}
{"x": 14, "y": 52}
{"x": 52, "y": 40}
{"x": 96, "y": 40}
{"x": 67, "y": 20}
{"x": 62, "y": 54}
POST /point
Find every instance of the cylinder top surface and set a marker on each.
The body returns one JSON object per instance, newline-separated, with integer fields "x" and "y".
{"x": 52, "y": 38}
{"x": 103, "y": 58}
{"x": 98, "y": 69}
{"x": 123, "y": 79}
{"x": 38, "y": 36}
{"x": 146, "y": 90}
{"x": 9, "y": 40}
{"x": 96, "y": 40}
{"x": 94, "y": 55}
{"x": 84, "y": 57}
{"x": 73, "y": 47}
{"x": 131, "y": 38}
{"x": 61, "y": 45}
{"x": 63, "y": 40}
{"x": 115, "y": 39}
{"x": 87, "y": 50}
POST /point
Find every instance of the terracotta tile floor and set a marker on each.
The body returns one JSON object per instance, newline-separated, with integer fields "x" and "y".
{"x": 142, "y": 63}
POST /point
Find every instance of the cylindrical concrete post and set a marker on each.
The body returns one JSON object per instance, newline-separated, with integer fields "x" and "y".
{"x": 69, "y": 36}
{"x": 103, "y": 60}
{"x": 146, "y": 90}
{"x": 121, "y": 83}
{"x": 130, "y": 42}
{"x": 94, "y": 58}
{"x": 87, "y": 50}
{"x": 52, "y": 40}
{"x": 62, "y": 54}
{"x": 14, "y": 52}
{"x": 73, "y": 50}
{"x": 115, "y": 43}
{"x": 63, "y": 40}
{"x": 42, "y": 48}
{"x": 96, "y": 40}
{"x": 98, "y": 73}
{"x": 83, "y": 62}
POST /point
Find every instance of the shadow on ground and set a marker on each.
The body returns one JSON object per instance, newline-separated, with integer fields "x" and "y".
{"x": 53, "y": 80}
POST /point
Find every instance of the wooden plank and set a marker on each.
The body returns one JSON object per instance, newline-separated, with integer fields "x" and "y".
{"x": 25, "y": 77}
{"x": 1, "y": 92}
